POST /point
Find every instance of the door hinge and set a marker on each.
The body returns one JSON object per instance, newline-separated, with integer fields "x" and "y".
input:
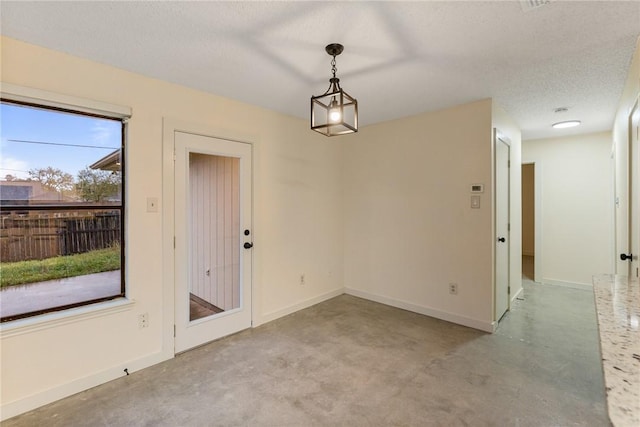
{"x": 509, "y": 290}
{"x": 509, "y": 227}
{"x": 508, "y": 163}
{"x": 174, "y": 331}
{"x": 174, "y": 156}
{"x": 174, "y": 242}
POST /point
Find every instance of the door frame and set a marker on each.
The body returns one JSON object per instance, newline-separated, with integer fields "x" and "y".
{"x": 169, "y": 127}
{"x": 633, "y": 188}
{"x": 499, "y": 136}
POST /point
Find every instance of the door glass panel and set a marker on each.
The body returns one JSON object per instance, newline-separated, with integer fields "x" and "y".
{"x": 214, "y": 252}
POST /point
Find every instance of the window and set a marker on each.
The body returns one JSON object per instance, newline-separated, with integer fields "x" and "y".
{"x": 61, "y": 208}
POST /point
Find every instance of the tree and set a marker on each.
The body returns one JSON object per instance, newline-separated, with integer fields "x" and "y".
{"x": 52, "y": 178}
{"x": 96, "y": 185}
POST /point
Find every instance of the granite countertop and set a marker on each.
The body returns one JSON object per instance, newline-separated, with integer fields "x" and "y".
{"x": 618, "y": 305}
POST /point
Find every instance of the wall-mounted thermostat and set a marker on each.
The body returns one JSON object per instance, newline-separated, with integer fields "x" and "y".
{"x": 477, "y": 188}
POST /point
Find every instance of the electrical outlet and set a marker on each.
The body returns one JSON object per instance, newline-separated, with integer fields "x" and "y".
{"x": 453, "y": 288}
{"x": 143, "y": 320}
{"x": 302, "y": 279}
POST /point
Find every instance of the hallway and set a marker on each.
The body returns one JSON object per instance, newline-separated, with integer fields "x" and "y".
{"x": 349, "y": 361}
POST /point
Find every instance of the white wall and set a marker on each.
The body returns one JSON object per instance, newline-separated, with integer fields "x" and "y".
{"x": 620, "y": 147}
{"x": 409, "y": 228}
{"x": 576, "y": 217}
{"x": 297, "y": 229}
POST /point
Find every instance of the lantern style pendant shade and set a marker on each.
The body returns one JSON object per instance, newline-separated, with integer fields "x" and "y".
{"x": 334, "y": 112}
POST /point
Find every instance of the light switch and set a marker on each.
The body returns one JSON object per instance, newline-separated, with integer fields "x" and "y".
{"x": 476, "y": 188}
{"x": 152, "y": 204}
{"x": 475, "y": 202}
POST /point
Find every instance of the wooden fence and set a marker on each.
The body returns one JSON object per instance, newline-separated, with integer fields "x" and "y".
{"x": 26, "y": 237}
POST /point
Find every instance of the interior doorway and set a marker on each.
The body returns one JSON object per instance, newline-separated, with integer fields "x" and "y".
{"x": 528, "y": 222}
{"x": 532, "y": 232}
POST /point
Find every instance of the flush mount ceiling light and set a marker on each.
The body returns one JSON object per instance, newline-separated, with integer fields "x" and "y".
{"x": 566, "y": 124}
{"x": 334, "y": 112}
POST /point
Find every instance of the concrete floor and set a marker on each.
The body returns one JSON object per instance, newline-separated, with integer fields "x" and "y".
{"x": 353, "y": 362}
{"x": 527, "y": 267}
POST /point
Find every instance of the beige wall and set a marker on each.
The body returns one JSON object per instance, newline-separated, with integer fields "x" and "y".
{"x": 297, "y": 209}
{"x": 409, "y": 227}
{"x": 620, "y": 148}
{"x": 528, "y": 210}
{"x": 576, "y": 218}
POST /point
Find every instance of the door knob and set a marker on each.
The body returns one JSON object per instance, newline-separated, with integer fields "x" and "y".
{"x": 248, "y": 245}
{"x": 502, "y": 239}
{"x": 625, "y": 257}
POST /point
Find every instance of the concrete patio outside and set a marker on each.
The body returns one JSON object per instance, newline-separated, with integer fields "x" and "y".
{"x": 55, "y": 293}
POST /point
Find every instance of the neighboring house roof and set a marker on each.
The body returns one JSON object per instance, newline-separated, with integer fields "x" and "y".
{"x": 110, "y": 162}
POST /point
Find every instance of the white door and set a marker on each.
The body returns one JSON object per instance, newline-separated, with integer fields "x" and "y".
{"x": 634, "y": 191}
{"x": 502, "y": 241}
{"x": 213, "y": 238}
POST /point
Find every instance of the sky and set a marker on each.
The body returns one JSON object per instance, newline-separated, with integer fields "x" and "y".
{"x": 19, "y": 123}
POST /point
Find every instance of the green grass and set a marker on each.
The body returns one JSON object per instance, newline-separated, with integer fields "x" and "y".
{"x": 22, "y": 272}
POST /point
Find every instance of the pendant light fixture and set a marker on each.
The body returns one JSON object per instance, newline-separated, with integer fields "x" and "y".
{"x": 334, "y": 112}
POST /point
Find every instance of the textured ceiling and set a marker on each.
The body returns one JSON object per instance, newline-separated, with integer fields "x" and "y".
{"x": 400, "y": 58}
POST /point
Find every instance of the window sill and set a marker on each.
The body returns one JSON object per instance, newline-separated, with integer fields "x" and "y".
{"x": 60, "y": 318}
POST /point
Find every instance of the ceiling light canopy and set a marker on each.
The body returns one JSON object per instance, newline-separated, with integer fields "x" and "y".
{"x": 334, "y": 112}
{"x": 566, "y": 124}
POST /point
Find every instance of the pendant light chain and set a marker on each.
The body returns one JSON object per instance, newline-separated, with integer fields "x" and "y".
{"x": 333, "y": 66}
{"x": 334, "y": 84}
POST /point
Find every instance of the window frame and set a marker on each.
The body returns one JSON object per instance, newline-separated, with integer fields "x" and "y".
{"x": 35, "y": 98}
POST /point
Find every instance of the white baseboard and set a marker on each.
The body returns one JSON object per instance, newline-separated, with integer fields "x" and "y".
{"x": 517, "y": 294}
{"x": 438, "y": 314}
{"x": 268, "y": 317}
{"x": 17, "y": 407}
{"x": 573, "y": 285}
